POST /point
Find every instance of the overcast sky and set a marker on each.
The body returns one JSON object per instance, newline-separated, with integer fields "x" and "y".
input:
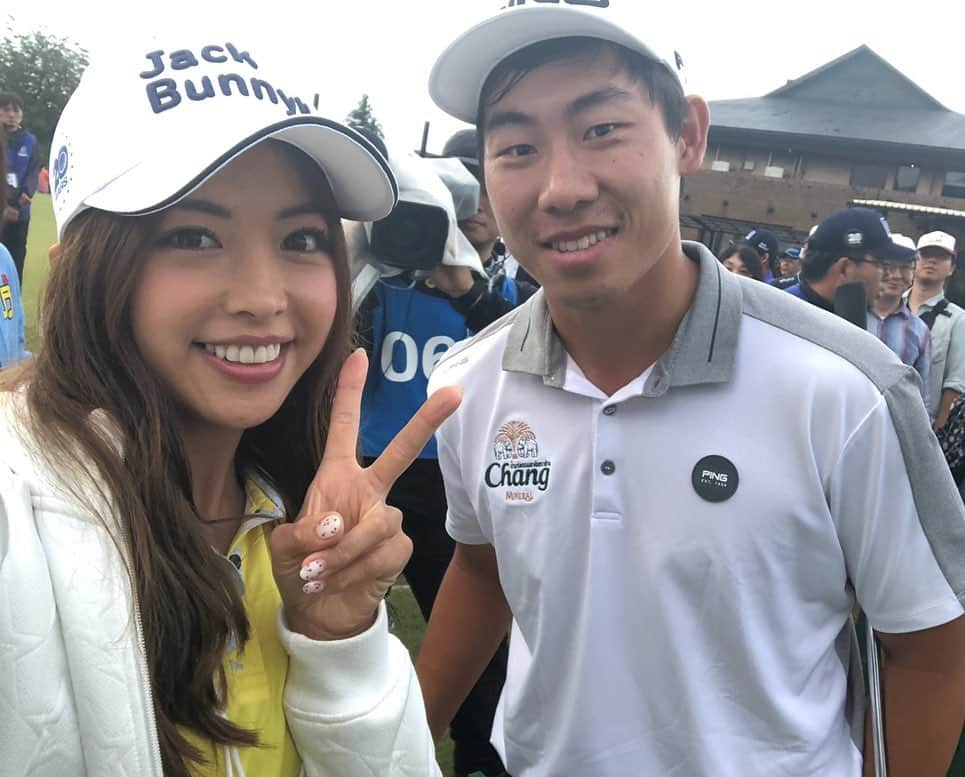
{"x": 342, "y": 48}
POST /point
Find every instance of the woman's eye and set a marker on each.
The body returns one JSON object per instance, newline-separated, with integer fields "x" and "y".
{"x": 308, "y": 241}
{"x": 191, "y": 239}
{"x": 601, "y": 130}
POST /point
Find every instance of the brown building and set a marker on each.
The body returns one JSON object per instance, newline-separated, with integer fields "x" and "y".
{"x": 853, "y": 132}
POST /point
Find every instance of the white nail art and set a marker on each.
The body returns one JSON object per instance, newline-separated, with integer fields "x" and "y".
{"x": 312, "y": 571}
{"x": 329, "y": 527}
{"x": 313, "y": 588}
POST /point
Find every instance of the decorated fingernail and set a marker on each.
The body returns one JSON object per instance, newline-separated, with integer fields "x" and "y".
{"x": 329, "y": 527}
{"x": 313, "y": 588}
{"x": 312, "y": 571}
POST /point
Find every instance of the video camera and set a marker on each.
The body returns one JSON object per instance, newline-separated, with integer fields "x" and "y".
{"x": 422, "y": 231}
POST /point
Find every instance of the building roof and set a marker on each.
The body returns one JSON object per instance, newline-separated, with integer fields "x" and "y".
{"x": 856, "y": 97}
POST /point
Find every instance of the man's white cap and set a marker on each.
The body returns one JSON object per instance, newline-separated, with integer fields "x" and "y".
{"x": 460, "y": 72}
{"x": 938, "y": 240}
{"x": 149, "y": 124}
{"x": 903, "y": 240}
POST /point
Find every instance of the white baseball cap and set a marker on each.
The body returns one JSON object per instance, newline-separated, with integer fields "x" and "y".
{"x": 460, "y": 72}
{"x": 938, "y": 240}
{"x": 149, "y": 124}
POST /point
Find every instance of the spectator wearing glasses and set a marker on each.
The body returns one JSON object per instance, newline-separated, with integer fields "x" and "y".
{"x": 890, "y": 320}
{"x": 945, "y": 319}
{"x": 849, "y": 246}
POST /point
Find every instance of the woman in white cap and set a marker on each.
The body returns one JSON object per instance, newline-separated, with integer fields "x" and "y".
{"x": 192, "y": 563}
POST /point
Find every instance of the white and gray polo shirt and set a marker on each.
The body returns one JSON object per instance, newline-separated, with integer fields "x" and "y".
{"x": 681, "y": 559}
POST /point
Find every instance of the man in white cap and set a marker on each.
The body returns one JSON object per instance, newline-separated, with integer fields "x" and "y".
{"x": 890, "y": 320}
{"x": 944, "y": 318}
{"x": 674, "y": 611}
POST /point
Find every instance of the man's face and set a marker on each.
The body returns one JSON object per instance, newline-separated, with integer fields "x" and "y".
{"x": 481, "y": 229}
{"x": 10, "y": 117}
{"x": 896, "y": 278}
{"x": 935, "y": 265}
{"x": 584, "y": 179}
{"x": 868, "y": 272}
{"x": 788, "y": 266}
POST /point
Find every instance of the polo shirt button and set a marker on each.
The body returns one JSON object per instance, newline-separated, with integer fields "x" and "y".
{"x": 608, "y": 467}
{"x": 610, "y": 410}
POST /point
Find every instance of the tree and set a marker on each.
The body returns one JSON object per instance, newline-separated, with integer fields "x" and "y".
{"x": 363, "y": 118}
{"x": 43, "y": 70}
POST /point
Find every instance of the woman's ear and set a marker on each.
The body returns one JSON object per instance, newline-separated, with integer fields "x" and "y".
{"x": 54, "y": 253}
{"x": 692, "y": 144}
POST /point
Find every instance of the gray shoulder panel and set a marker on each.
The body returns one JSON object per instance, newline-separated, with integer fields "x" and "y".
{"x": 494, "y": 328}
{"x": 937, "y": 500}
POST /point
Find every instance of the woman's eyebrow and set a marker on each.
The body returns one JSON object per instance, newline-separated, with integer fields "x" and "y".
{"x": 204, "y": 206}
{"x": 307, "y": 209}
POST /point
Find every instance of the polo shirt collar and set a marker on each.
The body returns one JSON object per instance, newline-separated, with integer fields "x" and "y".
{"x": 703, "y": 349}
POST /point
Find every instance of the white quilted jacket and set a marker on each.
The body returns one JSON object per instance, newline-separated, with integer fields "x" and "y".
{"x": 74, "y": 693}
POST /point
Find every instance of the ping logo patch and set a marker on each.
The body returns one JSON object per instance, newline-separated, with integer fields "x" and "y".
{"x": 715, "y": 479}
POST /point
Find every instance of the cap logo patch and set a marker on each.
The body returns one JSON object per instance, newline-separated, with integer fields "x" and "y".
{"x": 166, "y": 93}
{"x": 854, "y": 238}
{"x": 587, "y": 3}
{"x": 59, "y": 173}
{"x": 715, "y": 479}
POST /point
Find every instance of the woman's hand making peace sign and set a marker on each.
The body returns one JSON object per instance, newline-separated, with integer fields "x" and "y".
{"x": 334, "y": 564}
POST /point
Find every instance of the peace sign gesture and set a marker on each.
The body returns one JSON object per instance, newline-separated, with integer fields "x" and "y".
{"x": 334, "y": 564}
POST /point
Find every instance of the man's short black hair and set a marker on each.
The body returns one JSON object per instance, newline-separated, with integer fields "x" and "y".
{"x": 815, "y": 264}
{"x": 9, "y": 98}
{"x": 663, "y": 87}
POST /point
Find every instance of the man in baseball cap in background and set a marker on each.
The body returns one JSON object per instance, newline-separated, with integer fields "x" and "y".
{"x": 849, "y": 247}
{"x": 673, "y": 612}
{"x": 768, "y": 248}
{"x": 944, "y": 318}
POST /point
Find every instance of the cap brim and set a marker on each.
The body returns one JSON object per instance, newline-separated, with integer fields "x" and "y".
{"x": 460, "y": 72}
{"x": 362, "y": 183}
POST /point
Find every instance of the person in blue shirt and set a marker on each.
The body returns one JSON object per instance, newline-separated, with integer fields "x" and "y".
{"x": 407, "y": 323}
{"x": 12, "y": 341}
{"x": 23, "y": 169}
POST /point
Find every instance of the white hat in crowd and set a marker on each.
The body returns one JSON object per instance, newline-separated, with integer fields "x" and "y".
{"x": 458, "y": 77}
{"x": 937, "y": 240}
{"x": 178, "y": 114}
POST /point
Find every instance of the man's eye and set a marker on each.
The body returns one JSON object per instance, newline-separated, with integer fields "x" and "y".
{"x": 308, "y": 241}
{"x": 517, "y": 151}
{"x": 601, "y": 130}
{"x": 191, "y": 239}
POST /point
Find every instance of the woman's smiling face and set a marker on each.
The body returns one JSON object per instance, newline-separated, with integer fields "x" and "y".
{"x": 238, "y": 292}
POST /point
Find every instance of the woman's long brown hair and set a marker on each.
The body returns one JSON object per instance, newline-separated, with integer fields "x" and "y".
{"x": 188, "y": 605}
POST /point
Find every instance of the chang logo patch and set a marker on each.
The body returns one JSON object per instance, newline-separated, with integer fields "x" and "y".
{"x": 517, "y": 469}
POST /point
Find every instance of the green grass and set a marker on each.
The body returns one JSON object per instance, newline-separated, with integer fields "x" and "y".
{"x": 409, "y": 625}
{"x": 410, "y": 628}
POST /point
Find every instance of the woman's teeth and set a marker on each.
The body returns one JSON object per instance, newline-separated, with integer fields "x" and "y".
{"x": 245, "y": 354}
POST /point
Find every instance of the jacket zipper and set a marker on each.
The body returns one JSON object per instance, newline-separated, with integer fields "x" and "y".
{"x": 146, "y": 687}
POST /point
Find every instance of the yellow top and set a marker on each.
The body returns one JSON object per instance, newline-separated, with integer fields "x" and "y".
{"x": 256, "y": 677}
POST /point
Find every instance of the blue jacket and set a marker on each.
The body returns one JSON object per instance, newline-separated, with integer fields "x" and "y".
{"x": 408, "y": 328}
{"x": 23, "y": 169}
{"x": 12, "y": 342}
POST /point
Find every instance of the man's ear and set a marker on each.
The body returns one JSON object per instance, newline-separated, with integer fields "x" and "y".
{"x": 692, "y": 143}
{"x": 840, "y": 268}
